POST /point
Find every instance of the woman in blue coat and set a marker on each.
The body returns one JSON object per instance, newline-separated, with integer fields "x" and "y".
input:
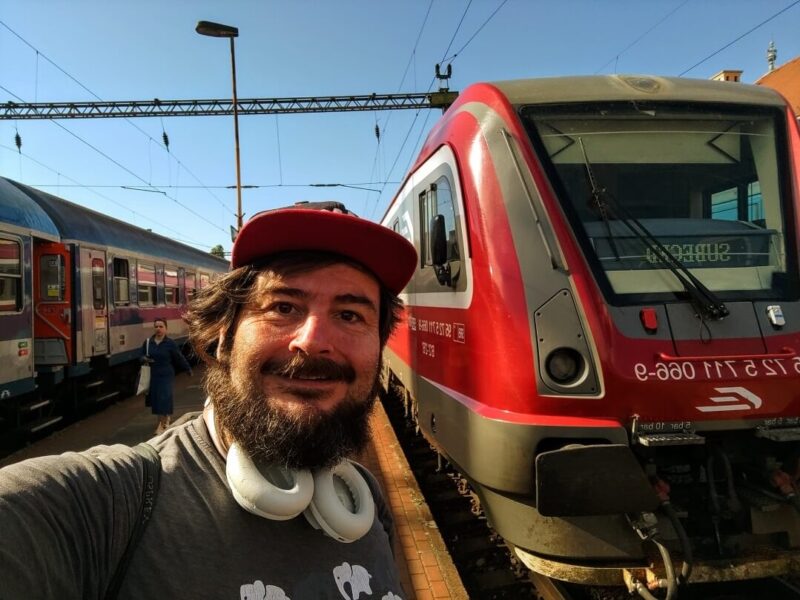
{"x": 165, "y": 360}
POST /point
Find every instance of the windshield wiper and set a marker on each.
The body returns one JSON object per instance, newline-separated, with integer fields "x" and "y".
{"x": 708, "y": 305}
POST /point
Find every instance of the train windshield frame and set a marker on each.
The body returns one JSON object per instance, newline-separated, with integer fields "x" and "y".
{"x": 704, "y": 182}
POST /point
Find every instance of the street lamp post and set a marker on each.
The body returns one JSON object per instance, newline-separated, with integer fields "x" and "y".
{"x": 226, "y": 31}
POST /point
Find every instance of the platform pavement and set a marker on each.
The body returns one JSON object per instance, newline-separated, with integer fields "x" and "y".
{"x": 426, "y": 570}
{"x": 127, "y": 421}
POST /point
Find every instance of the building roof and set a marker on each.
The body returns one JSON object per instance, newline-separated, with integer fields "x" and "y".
{"x": 786, "y": 80}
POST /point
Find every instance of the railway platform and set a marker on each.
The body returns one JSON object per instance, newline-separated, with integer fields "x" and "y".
{"x": 426, "y": 569}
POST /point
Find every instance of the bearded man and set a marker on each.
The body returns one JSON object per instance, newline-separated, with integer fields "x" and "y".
{"x": 257, "y": 498}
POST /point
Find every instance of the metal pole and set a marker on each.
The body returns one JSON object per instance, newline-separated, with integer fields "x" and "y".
{"x": 236, "y": 143}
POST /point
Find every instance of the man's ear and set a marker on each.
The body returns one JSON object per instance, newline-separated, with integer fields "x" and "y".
{"x": 220, "y": 342}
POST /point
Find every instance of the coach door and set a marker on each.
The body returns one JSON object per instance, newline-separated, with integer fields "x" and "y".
{"x": 94, "y": 302}
{"x": 52, "y": 291}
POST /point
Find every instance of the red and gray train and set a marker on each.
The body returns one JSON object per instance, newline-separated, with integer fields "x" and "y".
{"x": 603, "y": 333}
{"x": 78, "y": 294}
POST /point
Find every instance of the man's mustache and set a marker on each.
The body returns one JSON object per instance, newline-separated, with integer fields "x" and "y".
{"x": 302, "y": 366}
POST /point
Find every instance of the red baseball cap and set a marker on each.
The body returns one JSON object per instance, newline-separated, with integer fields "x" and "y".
{"x": 327, "y": 227}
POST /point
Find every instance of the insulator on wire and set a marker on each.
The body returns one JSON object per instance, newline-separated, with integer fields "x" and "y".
{"x": 165, "y": 137}
{"x": 18, "y": 142}
{"x": 377, "y": 132}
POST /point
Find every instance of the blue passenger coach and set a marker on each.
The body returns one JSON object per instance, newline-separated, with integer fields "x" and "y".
{"x": 78, "y": 294}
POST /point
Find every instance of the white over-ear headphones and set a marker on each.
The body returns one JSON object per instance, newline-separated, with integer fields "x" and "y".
{"x": 336, "y": 500}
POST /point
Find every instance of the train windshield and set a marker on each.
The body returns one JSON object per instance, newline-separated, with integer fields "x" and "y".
{"x": 651, "y": 187}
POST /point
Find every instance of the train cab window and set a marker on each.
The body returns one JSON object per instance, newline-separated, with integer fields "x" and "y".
{"x": 10, "y": 276}
{"x": 52, "y": 280}
{"x": 121, "y": 282}
{"x": 171, "y": 295}
{"x": 191, "y": 285}
{"x": 98, "y": 284}
{"x": 146, "y": 284}
{"x": 437, "y": 203}
{"x": 703, "y": 182}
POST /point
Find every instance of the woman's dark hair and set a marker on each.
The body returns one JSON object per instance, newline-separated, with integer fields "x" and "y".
{"x": 217, "y": 307}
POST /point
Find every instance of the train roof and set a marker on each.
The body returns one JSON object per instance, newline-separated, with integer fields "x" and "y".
{"x": 75, "y": 222}
{"x": 21, "y": 211}
{"x": 560, "y": 90}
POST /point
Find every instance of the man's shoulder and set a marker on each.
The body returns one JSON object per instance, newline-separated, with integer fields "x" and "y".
{"x": 70, "y": 463}
{"x": 90, "y": 477}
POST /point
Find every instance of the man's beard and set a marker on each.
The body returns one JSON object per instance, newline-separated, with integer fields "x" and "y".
{"x": 312, "y": 439}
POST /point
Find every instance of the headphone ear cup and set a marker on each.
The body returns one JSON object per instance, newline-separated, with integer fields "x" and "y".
{"x": 267, "y": 491}
{"x": 346, "y": 514}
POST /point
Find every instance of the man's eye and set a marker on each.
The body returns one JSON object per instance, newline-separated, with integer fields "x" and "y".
{"x": 350, "y": 316}
{"x": 284, "y": 308}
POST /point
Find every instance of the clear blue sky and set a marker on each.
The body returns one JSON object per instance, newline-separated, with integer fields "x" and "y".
{"x": 140, "y": 50}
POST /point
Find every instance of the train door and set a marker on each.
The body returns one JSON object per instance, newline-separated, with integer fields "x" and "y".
{"x": 52, "y": 292}
{"x": 94, "y": 303}
{"x": 16, "y": 366}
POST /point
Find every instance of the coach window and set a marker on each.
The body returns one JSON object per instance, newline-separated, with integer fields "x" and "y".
{"x": 52, "y": 283}
{"x": 146, "y": 280}
{"x": 171, "y": 286}
{"x": 191, "y": 285}
{"x": 10, "y": 276}
{"x": 204, "y": 280}
{"x": 122, "y": 279}
{"x": 98, "y": 284}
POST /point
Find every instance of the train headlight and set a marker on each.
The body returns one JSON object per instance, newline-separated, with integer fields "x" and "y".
{"x": 564, "y": 365}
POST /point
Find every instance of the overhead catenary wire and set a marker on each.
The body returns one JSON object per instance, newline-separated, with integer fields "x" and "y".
{"x": 399, "y": 87}
{"x": 93, "y": 191}
{"x": 123, "y": 167}
{"x": 745, "y": 34}
{"x": 430, "y": 85}
{"x": 152, "y": 188}
{"x": 477, "y": 31}
{"x": 165, "y": 145}
{"x": 642, "y": 36}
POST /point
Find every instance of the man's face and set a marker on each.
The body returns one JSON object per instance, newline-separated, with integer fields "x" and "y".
{"x": 302, "y": 371}
{"x": 160, "y": 328}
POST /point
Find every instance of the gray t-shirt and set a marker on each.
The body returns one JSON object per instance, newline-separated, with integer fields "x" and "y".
{"x": 65, "y": 522}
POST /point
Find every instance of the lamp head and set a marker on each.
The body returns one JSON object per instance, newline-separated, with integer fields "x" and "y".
{"x": 216, "y": 29}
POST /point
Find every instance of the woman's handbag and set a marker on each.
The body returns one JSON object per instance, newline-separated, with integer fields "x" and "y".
{"x": 143, "y": 382}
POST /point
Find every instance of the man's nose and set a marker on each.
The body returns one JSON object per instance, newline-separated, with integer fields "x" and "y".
{"x": 314, "y": 336}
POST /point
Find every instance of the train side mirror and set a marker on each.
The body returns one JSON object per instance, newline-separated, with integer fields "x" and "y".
{"x": 439, "y": 251}
{"x": 438, "y": 241}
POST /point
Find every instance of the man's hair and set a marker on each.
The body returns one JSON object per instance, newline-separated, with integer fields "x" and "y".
{"x": 157, "y": 319}
{"x": 217, "y": 307}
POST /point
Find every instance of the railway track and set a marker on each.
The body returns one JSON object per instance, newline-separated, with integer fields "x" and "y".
{"x": 488, "y": 568}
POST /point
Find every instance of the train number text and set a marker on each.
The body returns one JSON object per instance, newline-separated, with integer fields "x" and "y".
{"x": 717, "y": 369}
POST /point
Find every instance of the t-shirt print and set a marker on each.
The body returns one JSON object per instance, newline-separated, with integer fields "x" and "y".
{"x": 351, "y": 581}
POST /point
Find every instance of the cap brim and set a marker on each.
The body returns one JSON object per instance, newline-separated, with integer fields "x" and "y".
{"x": 388, "y": 255}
